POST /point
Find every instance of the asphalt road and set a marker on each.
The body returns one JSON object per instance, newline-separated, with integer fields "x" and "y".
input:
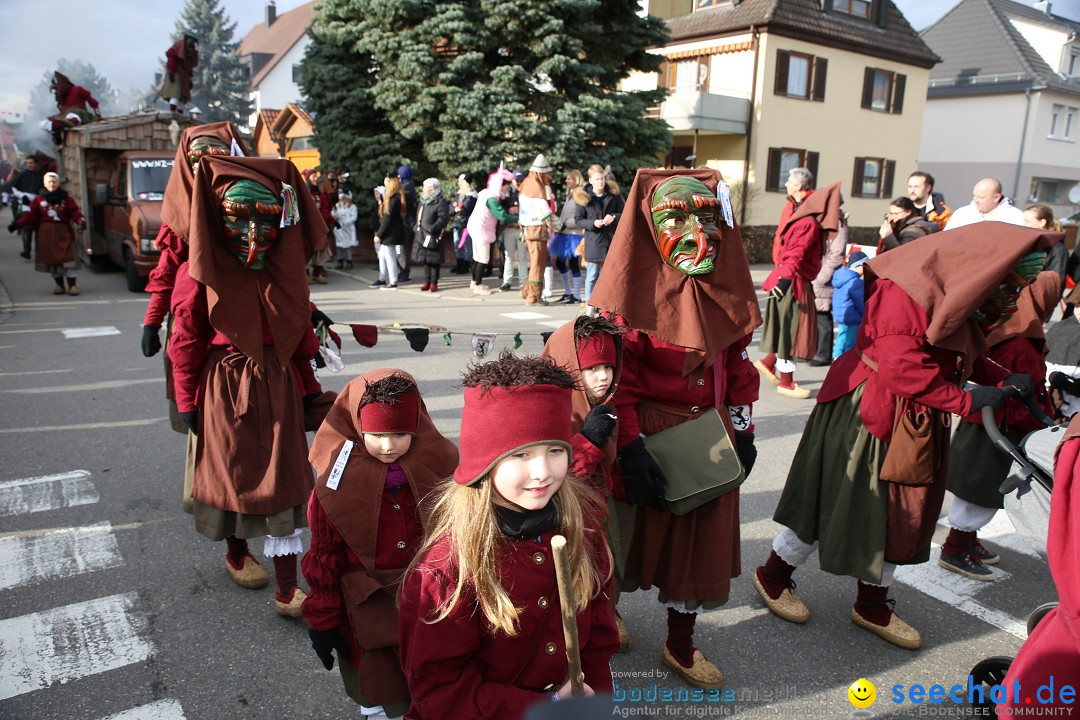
{"x": 110, "y": 601}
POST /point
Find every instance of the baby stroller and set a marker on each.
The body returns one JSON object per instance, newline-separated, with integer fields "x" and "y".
{"x": 1027, "y": 492}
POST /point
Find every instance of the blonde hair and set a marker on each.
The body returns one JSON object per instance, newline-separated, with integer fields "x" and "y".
{"x": 466, "y": 516}
{"x": 577, "y": 177}
{"x": 1046, "y": 214}
{"x": 393, "y": 187}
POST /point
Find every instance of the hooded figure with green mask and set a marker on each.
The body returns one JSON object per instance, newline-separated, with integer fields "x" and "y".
{"x": 867, "y": 482}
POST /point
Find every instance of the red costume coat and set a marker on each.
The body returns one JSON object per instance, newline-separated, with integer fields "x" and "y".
{"x": 76, "y": 98}
{"x": 174, "y": 252}
{"x": 1019, "y": 355}
{"x": 55, "y": 240}
{"x": 459, "y": 668}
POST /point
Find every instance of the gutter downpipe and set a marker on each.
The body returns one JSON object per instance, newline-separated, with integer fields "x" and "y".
{"x": 1023, "y": 140}
{"x": 745, "y": 191}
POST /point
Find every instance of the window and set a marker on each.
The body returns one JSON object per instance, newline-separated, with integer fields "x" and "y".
{"x": 873, "y": 177}
{"x": 296, "y": 73}
{"x": 801, "y": 76}
{"x": 1063, "y": 121}
{"x": 706, "y": 4}
{"x": 883, "y": 90}
{"x": 1044, "y": 191}
{"x": 686, "y": 75}
{"x": 1073, "y": 68}
{"x": 857, "y": 8}
{"x": 782, "y": 161}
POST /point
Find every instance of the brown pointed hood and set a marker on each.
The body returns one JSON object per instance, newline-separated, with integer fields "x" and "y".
{"x": 176, "y": 209}
{"x": 951, "y": 273}
{"x": 706, "y": 313}
{"x": 354, "y": 506}
{"x": 824, "y": 206}
{"x": 235, "y": 294}
{"x": 1033, "y": 307}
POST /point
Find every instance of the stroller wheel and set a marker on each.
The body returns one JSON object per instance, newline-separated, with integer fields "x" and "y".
{"x": 1038, "y": 614}
{"x": 986, "y": 674}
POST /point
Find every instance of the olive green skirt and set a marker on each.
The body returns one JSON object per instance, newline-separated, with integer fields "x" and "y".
{"x": 218, "y": 524}
{"x": 977, "y": 467}
{"x": 833, "y": 495}
{"x": 781, "y": 322}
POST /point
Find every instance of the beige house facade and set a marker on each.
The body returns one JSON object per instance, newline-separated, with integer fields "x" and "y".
{"x": 760, "y": 86}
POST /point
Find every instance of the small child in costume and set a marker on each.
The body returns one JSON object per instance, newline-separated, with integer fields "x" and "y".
{"x": 479, "y": 613}
{"x": 366, "y": 527}
{"x": 344, "y": 213}
{"x": 848, "y": 303}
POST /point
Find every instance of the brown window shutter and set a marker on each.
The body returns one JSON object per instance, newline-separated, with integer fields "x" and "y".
{"x": 821, "y": 66}
{"x": 868, "y": 87}
{"x": 811, "y": 165}
{"x": 783, "y": 60}
{"x": 665, "y": 74}
{"x": 856, "y": 180}
{"x": 898, "y": 93}
{"x": 887, "y": 178}
{"x": 772, "y": 171}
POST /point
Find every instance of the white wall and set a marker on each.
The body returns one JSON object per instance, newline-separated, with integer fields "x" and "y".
{"x": 1046, "y": 41}
{"x": 277, "y": 87}
{"x": 976, "y": 128}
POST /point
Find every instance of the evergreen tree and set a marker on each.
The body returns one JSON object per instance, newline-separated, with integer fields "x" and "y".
{"x": 479, "y": 82}
{"x": 220, "y": 86}
{"x": 43, "y": 102}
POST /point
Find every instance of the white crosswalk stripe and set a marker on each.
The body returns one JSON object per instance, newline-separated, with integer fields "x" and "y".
{"x": 56, "y": 553}
{"x": 161, "y": 710}
{"x": 46, "y": 492}
{"x": 70, "y": 642}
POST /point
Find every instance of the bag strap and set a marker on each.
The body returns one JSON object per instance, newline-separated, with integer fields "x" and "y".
{"x": 872, "y": 364}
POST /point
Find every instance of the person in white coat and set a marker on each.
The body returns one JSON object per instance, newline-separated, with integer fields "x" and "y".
{"x": 987, "y": 203}
{"x": 344, "y": 213}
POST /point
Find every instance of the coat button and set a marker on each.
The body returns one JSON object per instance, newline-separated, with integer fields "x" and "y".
{"x": 396, "y": 506}
{"x": 401, "y": 544}
{"x": 543, "y": 603}
{"x": 538, "y": 558}
{"x": 695, "y": 409}
{"x": 700, "y": 382}
{"x": 550, "y": 648}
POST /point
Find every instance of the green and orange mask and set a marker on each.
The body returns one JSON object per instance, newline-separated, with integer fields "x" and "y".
{"x": 686, "y": 217}
{"x": 252, "y": 217}
{"x": 202, "y": 146}
{"x": 1002, "y": 301}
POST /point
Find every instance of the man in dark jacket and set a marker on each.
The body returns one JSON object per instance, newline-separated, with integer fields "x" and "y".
{"x": 25, "y": 186}
{"x": 405, "y": 174}
{"x": 600, "y": 206}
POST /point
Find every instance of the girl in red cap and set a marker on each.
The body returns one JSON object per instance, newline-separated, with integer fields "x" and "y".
{"x": 479, "y": 617}
{"x": 377, "y": 456}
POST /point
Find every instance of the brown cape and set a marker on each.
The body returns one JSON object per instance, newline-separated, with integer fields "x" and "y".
{"x": 1033, "y": 307}
{"x": 824, "y": 206}
{"x": 176, "y": 208}
{"x": 533, "y": 186}
{"x": 562, "y": 348}
{"x": 706, "y": 313}
{"x": 234, "y": 294}
{"x": 951, "y": 273}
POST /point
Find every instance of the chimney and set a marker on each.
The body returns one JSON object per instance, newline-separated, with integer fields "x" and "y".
{"x": 1043, "y": 6}
{"x": 271, "y": 13}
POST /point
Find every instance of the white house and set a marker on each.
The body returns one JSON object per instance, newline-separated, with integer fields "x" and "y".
{"x": 272, "y": 51}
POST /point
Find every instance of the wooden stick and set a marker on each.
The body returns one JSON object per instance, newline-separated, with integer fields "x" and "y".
{"x": 569, "y": 613}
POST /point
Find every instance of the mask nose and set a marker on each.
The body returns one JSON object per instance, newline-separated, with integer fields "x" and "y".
{"x": 702, "y": 242}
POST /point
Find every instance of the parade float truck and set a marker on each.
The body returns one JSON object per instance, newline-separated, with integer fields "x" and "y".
{"x": 117, "y": 170}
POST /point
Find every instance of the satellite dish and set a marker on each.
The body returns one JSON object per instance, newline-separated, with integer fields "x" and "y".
{"x": 1074, "y": 194}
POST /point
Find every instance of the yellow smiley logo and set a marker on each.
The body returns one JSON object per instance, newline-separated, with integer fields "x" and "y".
{"x": 862, "y": 693}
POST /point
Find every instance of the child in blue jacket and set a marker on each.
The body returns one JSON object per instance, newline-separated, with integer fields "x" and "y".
{"x": 848, "y": 302}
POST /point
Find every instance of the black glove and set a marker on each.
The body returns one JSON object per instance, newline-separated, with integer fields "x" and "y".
{"x": 82, "y": 224}
{"x": 599, "y": 424}
{"x": 318, "y": 316}
{"x": 1023, "y": 383}
{"x": 780, "y": 289}
{"x": 309, "y": 401}
{"x": 744, "y": 448}
{"x": 325, "y": 642}
{"x": 191, "y": 419}
{"x": 12, "y": 226}
{"x": 643, "y": 479}
{"x": 151, "y": 343}
{"x": 1063, "y": 382}
{"x": 982, "y": 396}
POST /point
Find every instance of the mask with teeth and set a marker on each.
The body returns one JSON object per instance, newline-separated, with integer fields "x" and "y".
{"x": 686, "y": 218}
{"x": 252, "y": 216}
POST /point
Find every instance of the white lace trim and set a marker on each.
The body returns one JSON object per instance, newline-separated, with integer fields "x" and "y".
{"x": 282, "y": 546}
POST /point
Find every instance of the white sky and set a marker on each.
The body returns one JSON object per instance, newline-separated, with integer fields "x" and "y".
{"x": 126, "y": 39}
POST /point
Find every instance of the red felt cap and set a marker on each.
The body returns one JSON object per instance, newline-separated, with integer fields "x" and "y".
{"x": 497, "y": 421}
{"x": 401, "y": 417}
{"x": 597, "y": 349}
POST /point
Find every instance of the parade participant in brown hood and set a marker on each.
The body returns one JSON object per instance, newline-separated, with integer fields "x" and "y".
{"x": 72, "y": 101}
{"x": 677, "y": 273}
{"x": 52, "y": 213}
{"x": 241, "y": 349}
{"x": 867, "y": 482}
{"x": 536, "y": 216}
{"x": 180, "y": 62}
{"x": 377, "y": 456}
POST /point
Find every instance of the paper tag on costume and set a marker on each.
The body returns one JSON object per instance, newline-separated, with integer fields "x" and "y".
{"x": 290, "y": 211}
{"x": 740, "y": 417}
{"x": 339, "y": 465}
{"x": 235, "y": 149}
{"x": 723, "y": 191}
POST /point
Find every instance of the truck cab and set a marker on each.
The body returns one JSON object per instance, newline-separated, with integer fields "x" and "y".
{"x": 127, "y": 212}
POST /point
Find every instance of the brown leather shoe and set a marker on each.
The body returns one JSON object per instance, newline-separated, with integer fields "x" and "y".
{"x": 897, "y": 632}
{"x": 702, "y": 673}
{"x": 250, "y": 575}
{"x": 624, "y": 635}
{"x": 795, "y": 391}
{"x": 769, "y": 374}
{"x": 291, "y": 608}
{"x": 786, "y": 607}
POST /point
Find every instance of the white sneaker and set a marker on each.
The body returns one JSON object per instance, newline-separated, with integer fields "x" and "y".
{"x": 480, "y": 290}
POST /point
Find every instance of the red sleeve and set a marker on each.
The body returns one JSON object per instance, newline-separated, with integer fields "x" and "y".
{"x": 84, "y": 95}
{"x": 587, "y": 457}
{"x": 801, "y": 252}
{"x": 162, "y": 278}
{"x": 437, "y": 658}
{"x": 1016, "y": 355}
{"x": 74, "y": 213}
{"x": 630, "y": 387}
{"x": 603, "y": 643}
{"x": 742, "y": 382}
{"x": 906, "y": 368}
{"x": 31, "y": 217}
{"x": 189, "y": 344}
{"x": 323, "y": 565}
{"x": 172, "y": 63}
{"x": 301, "y": 362}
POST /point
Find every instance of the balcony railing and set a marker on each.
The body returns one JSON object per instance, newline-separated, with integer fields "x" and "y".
{"x": 695, "y": 110}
